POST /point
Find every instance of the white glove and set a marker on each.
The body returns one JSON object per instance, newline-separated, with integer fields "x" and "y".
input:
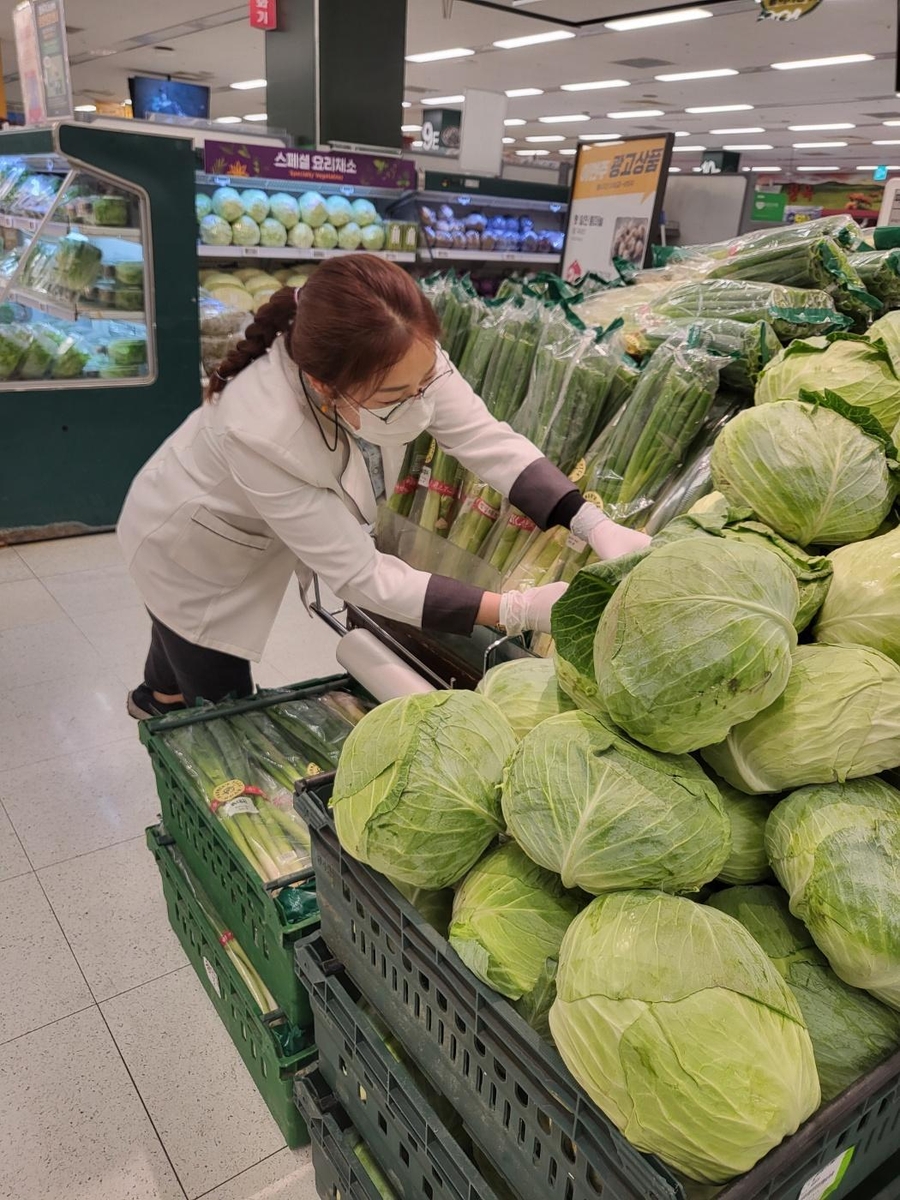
{"x": 531, "y": 609}
{"x": 605, "y": 537}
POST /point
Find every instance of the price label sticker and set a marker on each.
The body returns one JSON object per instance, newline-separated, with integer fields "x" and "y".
{"x": 30, "y": 225}
{"x": 509, "y": 256}
{"x": 252, "y": 251}
{"x": 317, "y": 253}
{"x": 228, "y": 790}
{"x": 6, "y": 222}
{"x": 212, "y": 976}
{"x": 826, "y": 1182}
{"x": 442, "y": 254}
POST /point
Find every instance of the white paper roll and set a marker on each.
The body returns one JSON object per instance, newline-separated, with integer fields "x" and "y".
{"x": 378, "y": 669}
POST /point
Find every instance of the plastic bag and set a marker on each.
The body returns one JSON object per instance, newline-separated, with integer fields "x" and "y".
{"x": 747, "y": 348}
{"x": 478, "y": 512}
{"x": 792, "y": 312}
{"x": 880, "y": 272}
{"x": 462, "y": 309}
{"x": 516, "y": 335}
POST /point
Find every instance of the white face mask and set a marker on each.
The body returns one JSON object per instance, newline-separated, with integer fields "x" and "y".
{"x": 414, "y": 417}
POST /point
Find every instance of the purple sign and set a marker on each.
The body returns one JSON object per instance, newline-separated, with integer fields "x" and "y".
{"x": 309, "y": 166}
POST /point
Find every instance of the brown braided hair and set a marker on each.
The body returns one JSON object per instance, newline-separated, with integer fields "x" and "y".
{"x": 354, "y": 320}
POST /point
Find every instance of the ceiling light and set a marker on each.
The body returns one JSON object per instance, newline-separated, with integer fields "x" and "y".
{"x": 515, "y": 93}
{"x": 568, "y": 151}
{"x": 746, "y": 129}
{"x": 820, "y": 169}
{"x": 682, "y": 133}
{"x": 673, "y": 17}
{"x": 820, "y": 128}
{"x": 406, "y": 104}
{"x": 508, "y": 141}
{"x": 638, "y": 114}
{"x": 716, "y": 108}
{"x": 228, "y": 120}
{"x": 85, "y": 107}
{"x": 595, "y": 86}
{"x": 818, "y": 145}
{"x": 515, "y": 121}
{"x": 839, "y": 60}
{"x": 417, "y": 145}
{"x": 428, "y": 100}
{"x": 533, "y": 39}
{"x": 531, "y": 153}
{"x": 599, "y": 137}
{"x": 247, "y": 85}
{"x": 546, "y": 137}
{"x": 891, "y": 122}
{"x": 888, "y": 143}
{"x": 562, "y": 118}
{"x": 439, "y": 55}
{"x": 674, "y": 170}
{"x": 696, "y": 170}
{"x": 765, "y": 170}
{"x": 748, "y": 146}
{"x": 256, "y": 116}
{"x": 876, "y": 168}
{"x": 410, "y": 128}
{"x": 127, "y": 102}
{"x": 684, "y": 76}
{"x": 688, "y": 149}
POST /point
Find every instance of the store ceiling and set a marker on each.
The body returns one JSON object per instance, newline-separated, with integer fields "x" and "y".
{"x": 110, "y": 42}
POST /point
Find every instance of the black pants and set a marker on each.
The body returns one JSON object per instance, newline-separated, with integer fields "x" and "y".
{"x": 175, "y": 665}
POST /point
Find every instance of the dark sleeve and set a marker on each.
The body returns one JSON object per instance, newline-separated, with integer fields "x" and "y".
{"x": 545, "y": 495}
{"x": 450, "y": 605}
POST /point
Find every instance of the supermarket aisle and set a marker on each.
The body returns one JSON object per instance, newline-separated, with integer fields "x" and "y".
{"x": 117, "y": 1081}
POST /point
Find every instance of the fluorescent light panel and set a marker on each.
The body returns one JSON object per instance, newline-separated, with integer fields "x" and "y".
{"x": 256, "y": 116}
{"x": 820, "y": 128}
{"x": 821, "y": 169}
{"x": 228, "y": 120}
{"x": 637, "y": 115}
{"x": 726, "y": 132}
{"x": 749, "y": 146}
{"x": 719, "y": 108}
{"x": 85, "y": 107}
{"x": 515, "y": 93}
{"x": 546, "y": 137}
{"x": 599, "y": 137}
{"x": 840, "y": 60}
{"x": 247, "y": 85}
{"x": 508, "y": 141}
{"x": 596, "y": 86}
{"x": 406, "y": 104}
{"x": 876, "y": 168}
{"x": 442, "y": 100}
{"x": 515, "y": 121}
{"x": 531, "y": 153}
{"x": 685, "y": 76}
{"x": 892, "y": 142}
{"x": 819, "y": 145}
{"x": 673, "y": 16}
{"x": 568, "y": 151}
{"x": 410, "y": 128}
{"x": 763, "y": 170}
{"x": 674, "y": 170}
{"x": 563, "y": 118}
{"x": 688, "y": 149}
{"x": 439, "y": 55}
{"x": 534, "y": 39}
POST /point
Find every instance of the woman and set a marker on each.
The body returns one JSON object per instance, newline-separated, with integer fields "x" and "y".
{"x": 267, "y": 479}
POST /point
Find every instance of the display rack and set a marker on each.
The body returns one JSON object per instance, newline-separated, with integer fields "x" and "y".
{"x": 289, "y": 254}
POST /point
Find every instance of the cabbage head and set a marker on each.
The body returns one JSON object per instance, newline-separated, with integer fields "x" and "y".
{"x": 373, "y": 238}
{"x": 339, "y": 211}
{"x": 272, "y": 233}
{"x": 863, "y": 605}
{"x": 202, "y": 205}
{"x": 417, "y": 790}
{"x": 811, "y": 474}
{"x": 851, "y": 1031}
{"x": 364, "y": 212}
{"x": 284, "y": 208}
{"x": 604, "y": 813}
{"x": 227, "y": 204}
{"x": 256, "y": 204}
{"x": 696, "y": 638}
{"x": 673, "y": 1019}
{"x": 836, "y": 852}
{"x": 313, "y": 210}
{"x": 861, "y": 373}
{"x": 215, "y": 231}
{"x": 837, "y": 719}
{"x": 747, "y": 816}
{"x": 509, "y": 917}
{"x": 434, "y": 907}
{"x": 527, "y": 692}
{"x": 301, "y": 236}
{"x": 325, "y": 237}
{"x": 245, "y": 232}
{"x": 349, "y": 236}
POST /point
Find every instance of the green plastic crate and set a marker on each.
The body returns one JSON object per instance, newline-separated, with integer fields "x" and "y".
{"x": 272, "y": 1071}
{"x": 237, "y": 892}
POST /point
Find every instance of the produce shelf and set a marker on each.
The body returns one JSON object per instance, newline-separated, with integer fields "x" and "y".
{"x": 288, "y": 252}
{"x": 272, "y": 1071}
{"x": 61, "y": 228}
{"x": 487, "y": 256}
{"x": 296, "y": 187}
{"x": 408, "y": 1138}
{"x": 72, "y": 312}
{"x": 520, "y": 1105}
{"x": 339, "y": 1173}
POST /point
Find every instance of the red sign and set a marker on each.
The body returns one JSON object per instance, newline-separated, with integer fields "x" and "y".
{"x": 263, "y": 14}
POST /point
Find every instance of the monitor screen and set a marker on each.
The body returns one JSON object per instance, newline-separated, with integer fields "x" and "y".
{"x": 169, "y": 97}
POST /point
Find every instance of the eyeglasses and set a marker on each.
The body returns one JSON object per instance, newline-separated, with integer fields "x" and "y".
{"x": 400, "y": 405}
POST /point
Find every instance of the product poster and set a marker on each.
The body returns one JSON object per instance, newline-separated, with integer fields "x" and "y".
{"x": 615, "y": 206}
{"x": 29, "y": 64}
{"x": 50, "y": 23}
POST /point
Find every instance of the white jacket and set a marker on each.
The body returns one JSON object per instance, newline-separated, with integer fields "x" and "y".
{"x": 245, "y": 493}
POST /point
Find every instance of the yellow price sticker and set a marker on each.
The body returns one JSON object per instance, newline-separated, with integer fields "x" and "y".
{"x": 228, "y": 790}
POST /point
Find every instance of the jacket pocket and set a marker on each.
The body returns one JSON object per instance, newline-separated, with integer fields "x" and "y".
{"x": 216, "y": 551}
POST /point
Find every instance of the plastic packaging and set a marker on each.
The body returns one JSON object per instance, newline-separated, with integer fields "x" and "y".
{"x": 381, "y": 673}
{"x": 792, "y": 312}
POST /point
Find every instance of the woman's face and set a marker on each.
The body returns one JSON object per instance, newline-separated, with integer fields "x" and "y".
{"x": 415, "y": 370}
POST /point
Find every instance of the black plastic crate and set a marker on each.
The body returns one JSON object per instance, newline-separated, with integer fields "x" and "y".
{"x": 410, "y": 1141}
{"x": 520, "y": 1105}
{"x": 339, "y": 1173}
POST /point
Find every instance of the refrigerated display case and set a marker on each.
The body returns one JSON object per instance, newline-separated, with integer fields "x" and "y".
{"x": 98, "y": 319}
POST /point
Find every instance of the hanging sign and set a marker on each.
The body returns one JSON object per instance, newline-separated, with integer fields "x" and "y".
{"x": 350, "y": 170}
{"x": 786, "y": 10}
{"x": 264, "y": 14}
{"x": 441, "y": 131}
{"x": 42, "y": 51}
{"x": 616, "y": 199}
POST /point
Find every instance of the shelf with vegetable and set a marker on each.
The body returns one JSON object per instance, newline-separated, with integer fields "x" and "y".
{"x": 489, "y": 234}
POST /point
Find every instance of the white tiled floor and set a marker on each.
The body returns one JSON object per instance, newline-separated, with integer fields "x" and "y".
{"x": 117, "y": 1081}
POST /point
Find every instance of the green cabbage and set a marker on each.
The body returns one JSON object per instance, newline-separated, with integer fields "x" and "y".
{"x": 339, "y": 210}
{"x": 851, "y": 1032}
{"x": 256, "y": 204}
{"x": 313, "y": 210}
{"x": 861, "y": 373}
{"x": 272, "y": 233}
{"x": 349, "y": 236}
{"x": 863, "y": 603}
{"x": 215, "y": 231}
{"x": 227, "y": 204}
{"x": 373, "y": 238}
{"x": 837, "y": 719}
{"x": 433, "y": 906}
{"x": 811, "y": 474}
{"x": 326, "y": 237}
{"x": 284, "y": 208}
{"x": 301, "y": 236}
{"x": 527, "y": 692}
{"x": 836, "y": 852}
{"x": 417, "y": 790}
{"x": 679, "y": 1027}
{"x": 245, "y": 232}
{"x": 604, "y": 813}
{"x": 696, "y": 638}
{"x": 747, "y": 816}
{"x": 509, "y": 917}
{"x": 202, "y": 205}
{"x": 364, "y": 212}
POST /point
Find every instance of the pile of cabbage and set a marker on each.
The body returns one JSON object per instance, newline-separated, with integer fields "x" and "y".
{"x": 252, "y": 217}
